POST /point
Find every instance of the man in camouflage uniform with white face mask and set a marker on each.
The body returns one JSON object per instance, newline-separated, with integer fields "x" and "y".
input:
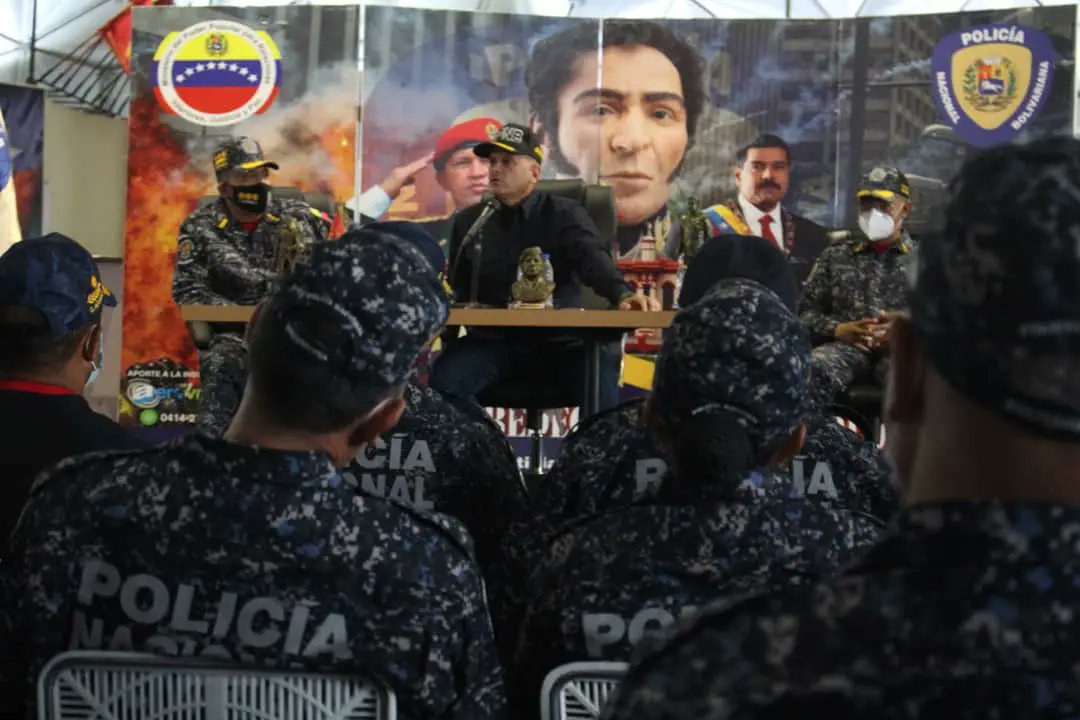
{"x": 857, "y": 285}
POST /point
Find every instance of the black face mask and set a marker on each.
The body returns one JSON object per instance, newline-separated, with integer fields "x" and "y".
{"x": 253, "y": 198}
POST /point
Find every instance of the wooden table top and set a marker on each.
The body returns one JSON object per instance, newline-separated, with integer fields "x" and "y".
{"x": 483, "y": 317}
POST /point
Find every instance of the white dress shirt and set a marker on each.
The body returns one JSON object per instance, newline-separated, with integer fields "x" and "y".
{"x": 373, "y": 202}
{"x": 753, "y": 217}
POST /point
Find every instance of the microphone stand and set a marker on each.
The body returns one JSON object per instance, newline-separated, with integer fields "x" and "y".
{"x": 474, "y": 281}
{"x": 475, "y": 236}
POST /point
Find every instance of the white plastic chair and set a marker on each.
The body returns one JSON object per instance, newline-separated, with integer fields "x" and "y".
{"x": 578, "y": 691}
{"x": 95, "y": 685}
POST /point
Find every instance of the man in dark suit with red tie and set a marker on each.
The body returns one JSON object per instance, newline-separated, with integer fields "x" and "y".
{"x": 762, "y": 175}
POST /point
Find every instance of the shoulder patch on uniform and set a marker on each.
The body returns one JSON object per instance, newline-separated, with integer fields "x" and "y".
{"x": 184, "y": 249}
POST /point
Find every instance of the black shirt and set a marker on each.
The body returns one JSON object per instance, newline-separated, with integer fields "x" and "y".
{"x": 557, "y": 225}
{"x": 39, "y": 427}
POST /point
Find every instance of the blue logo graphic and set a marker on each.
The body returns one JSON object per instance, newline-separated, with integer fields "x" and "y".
{"x": 991, "y": 82}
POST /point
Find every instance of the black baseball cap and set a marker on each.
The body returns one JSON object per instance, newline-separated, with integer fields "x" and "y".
{"x": 241, "y": 153}
{"x": 58, "y": 278}
{"x": 515, "y": 139}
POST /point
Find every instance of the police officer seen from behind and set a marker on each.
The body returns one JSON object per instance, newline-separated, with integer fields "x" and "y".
{"x": 229, "y": 253}
{"x": 51, "y": 305}
{"x": 857, "y": 284}
{"x": 527, "y": 218}
{"x": 966, "y": 609}
{"x": 253, "y": 546}
{"x": 610, "y": 461}
{"x": 729, "y": 396}
{"x": 446, "y": 458}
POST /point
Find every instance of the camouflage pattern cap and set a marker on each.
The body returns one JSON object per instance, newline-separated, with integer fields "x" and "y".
{"x": 737, "y": 350}
{"x": 241, "y": 153}
{"x": 996, "y": 296}
{"x": 58, "y": 278}
{"x": 884, "y": 183}
{"x": 378, "y": 291}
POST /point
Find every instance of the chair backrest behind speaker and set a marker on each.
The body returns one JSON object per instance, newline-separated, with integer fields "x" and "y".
{"x": 599, "y": 203}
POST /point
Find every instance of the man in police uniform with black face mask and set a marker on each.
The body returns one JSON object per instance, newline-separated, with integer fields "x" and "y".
{"x": 230, "y": 253}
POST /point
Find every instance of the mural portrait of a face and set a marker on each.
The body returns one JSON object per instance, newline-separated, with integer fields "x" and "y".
{"x": 630, "y": 130}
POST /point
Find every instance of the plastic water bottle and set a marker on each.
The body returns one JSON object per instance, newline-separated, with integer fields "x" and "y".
{"x": 549, "y": 275}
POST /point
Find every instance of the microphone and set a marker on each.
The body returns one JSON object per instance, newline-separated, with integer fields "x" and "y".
{"x": 472, "y": 235}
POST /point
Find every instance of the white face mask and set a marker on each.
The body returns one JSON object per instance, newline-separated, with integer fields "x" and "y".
{"x": 876, "y": 224}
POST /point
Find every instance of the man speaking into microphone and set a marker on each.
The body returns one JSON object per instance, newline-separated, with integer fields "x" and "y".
{"x": 486, "y": 242}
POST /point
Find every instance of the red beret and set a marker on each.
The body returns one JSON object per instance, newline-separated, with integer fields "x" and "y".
{"x": 466, "y": 134}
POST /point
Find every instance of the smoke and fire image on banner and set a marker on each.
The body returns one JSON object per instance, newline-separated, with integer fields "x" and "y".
{"x": 309, "y": 131}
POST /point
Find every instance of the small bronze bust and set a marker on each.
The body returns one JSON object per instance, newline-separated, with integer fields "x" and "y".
{"x": 532, "y": 288}
{"x": 694, "y": 228}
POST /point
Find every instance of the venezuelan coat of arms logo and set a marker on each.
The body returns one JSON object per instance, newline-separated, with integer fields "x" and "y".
{"x": 991, "y": 82}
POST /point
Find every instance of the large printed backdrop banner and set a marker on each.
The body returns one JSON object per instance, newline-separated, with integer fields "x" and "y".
{"x": 661, "y": 125}
{"x": 305, "y": 120}
{"x": 23, "y": 109}
{"x": 658, "y": 109}
{"x": 658, "y": 114}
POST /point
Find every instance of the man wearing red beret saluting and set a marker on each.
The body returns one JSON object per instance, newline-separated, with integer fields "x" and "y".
{"x": 459, "y": 171}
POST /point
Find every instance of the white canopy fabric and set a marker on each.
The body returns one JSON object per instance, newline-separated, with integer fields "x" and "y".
{"x": 61, "y": 25}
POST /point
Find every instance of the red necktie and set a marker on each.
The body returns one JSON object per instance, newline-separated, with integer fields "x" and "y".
{"x": 766, "y": 229}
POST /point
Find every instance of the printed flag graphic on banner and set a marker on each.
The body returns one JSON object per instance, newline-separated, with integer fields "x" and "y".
{"x": 9, "y": 215}
{"x": 217, "y": 73}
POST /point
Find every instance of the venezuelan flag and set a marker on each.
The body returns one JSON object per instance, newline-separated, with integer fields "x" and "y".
{"x": 9, "y": 214}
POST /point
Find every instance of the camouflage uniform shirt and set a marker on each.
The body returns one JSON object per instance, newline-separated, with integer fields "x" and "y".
{"x": 852, "y": 280}
{"x": 218, "y": 262}
{"x": 605, "y": 585}
{"x": 965, "y": 610}
{"x": 440, "y": 459}
{"x": 610, "y": 462}
{"x": 208, "y": 547}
